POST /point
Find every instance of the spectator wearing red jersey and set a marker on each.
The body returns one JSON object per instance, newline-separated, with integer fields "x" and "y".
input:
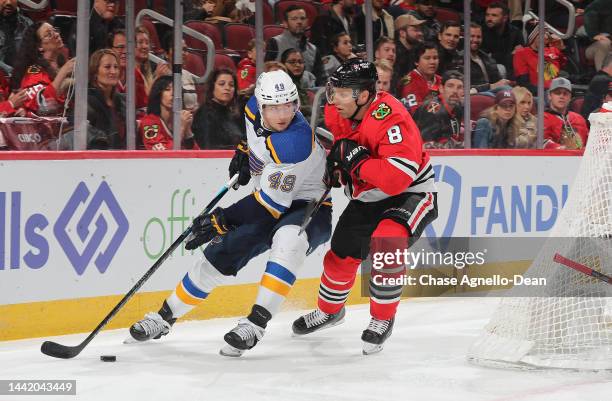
{"x": 563, "y": 129}
{"x": 9, "y": 102}
{"x": 525, "y": 61}
{"x": 247, "y": 71}
{"x": 40, "y": 69}
{"x": 422, "y": 82}
{"x": 154, "y": 129}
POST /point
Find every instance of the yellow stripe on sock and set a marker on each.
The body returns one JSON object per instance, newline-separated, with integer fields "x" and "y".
{"x": 185, "y": 296}
{"x": 275, "y": 285}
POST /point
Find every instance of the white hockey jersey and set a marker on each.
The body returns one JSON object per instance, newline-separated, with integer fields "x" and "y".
{"x": 285, "y": 166}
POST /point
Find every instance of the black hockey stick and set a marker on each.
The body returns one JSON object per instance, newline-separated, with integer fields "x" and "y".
{"x": 582, "y": 268}
{"x": 66, "y": 352}
{"x": 312, "y": 208}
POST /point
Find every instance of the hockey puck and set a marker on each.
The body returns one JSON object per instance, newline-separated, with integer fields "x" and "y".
{"x": 108, "y": 358}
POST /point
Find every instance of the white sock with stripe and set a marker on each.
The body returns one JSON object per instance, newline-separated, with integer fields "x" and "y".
{"x": 194, "y": 287}
{"x": 286, "y": 257}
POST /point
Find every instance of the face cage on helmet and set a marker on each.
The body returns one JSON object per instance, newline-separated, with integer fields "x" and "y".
{"x": 330, "y": 93}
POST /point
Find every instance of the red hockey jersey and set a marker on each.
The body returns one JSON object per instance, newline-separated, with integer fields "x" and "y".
{"x": 415, "y": 89}
{"x": 42, "y": 97}
{"x": 398, "y": 162}
{"x": 156, "y": 135}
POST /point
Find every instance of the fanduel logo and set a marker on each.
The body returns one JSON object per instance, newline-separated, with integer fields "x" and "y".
{"x": 91, "y": 239}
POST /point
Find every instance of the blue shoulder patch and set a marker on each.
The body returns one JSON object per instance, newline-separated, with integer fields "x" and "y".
{"x": 293, "y": 145}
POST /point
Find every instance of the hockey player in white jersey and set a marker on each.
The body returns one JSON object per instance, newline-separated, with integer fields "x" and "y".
{"x": 287, "y": 164}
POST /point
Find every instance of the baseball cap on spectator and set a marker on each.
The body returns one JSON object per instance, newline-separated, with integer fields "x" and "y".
{"x": 560, "y": 83}
{"x": 505, "y": 97}
{"x": 405, "y": 20}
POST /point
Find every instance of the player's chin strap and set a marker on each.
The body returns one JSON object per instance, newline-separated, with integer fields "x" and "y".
{"x": 370, "y": 98}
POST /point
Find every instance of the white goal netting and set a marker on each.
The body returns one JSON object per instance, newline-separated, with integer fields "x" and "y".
{"x": 569, "y": 323}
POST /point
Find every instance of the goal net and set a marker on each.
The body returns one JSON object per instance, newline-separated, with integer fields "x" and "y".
{"x": 569, "y": 324}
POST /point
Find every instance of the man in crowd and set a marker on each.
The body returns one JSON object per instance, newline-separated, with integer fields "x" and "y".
{"x": 425, "y": 10}
{"x": 499, "y": 38}
{"x": 382, "y": 22}
{"x": 422, "y": 82}
{"x": 563, "y": 129}
{"x": 295, "y": 20}
{"x": 13, "y": 23}
{"x": 102, "y": 22}
{"x": 440, "y": 118}
{"x": 485, "y": 76}
{"x": 448, "y": 40}
{"x": 408, "y": 34}
{"x": 384, "y": 49}
{"x": 338, "y": 19}
{"x": 598, "y": 88}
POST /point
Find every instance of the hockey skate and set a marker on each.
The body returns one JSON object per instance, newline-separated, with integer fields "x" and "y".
{"x": 153, "y": 326}
{"x": 376, "y": 334}
{"x": 242, "y": 338}
{"x": 317, "y": 320}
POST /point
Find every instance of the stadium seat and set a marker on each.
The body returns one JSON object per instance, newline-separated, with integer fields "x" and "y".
{"x": 208, "y": 29}
{"x": 269, "y": 31}
{"x": 223, "y": 60}
{"x": 64, "y": 6}
{"x": 576, "y": 104}
{"x": 445, "y": 14}
{"x": 311, "y": 10}
{"x": 237, "y": 37}
{"x": 268, "y": 14}
{"x": 480, "y": 103}
{"x": 194, "y": 63}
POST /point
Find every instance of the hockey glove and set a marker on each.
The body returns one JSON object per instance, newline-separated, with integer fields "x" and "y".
{"x": 205, "y": 228}
{"x": 347, "y": 156}
{"x": 240, "y": 164}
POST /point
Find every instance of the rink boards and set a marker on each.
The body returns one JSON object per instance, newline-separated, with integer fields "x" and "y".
{"x": 77, "y": 230}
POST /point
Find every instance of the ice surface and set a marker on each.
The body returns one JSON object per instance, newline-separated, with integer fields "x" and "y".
{"x": 423, "y": 360}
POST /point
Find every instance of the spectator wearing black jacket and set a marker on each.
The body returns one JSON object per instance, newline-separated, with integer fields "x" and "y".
{"x": 382, "y": 22}
{"x": 102, "y": 21}
{"x": 499, "y": 38}
{"x": 485, "y": 76}
{"x": 425, "y": 10}
{"x": 13, "y": 24}
{"x": 440, "y": 119}
{"x": 448, "y": 40}
{"x": 105, "y": 105}
{"x": 339, "y": 19}
{"x": 598, "y": 26}
{"x": 598, "y": 88}
{"x": 408, "y": 34}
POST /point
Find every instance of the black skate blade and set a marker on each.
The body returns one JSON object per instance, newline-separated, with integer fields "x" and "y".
{"x": 60, "y": 351}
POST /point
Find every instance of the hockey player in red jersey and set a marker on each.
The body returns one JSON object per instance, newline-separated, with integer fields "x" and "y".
{"x": 390, "y": 183}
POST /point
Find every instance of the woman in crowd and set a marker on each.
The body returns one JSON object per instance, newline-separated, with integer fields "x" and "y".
{"x": 40, "y": 68}
{"x": 154, "y": 129}
{"x": 143, "y": 65}
{"x": 218, "y": 124}
{"x": 118, "y": 42}
{"x": 342, "y": 48}
{"x": 494, "y": 130}
{"x": 303, "y": 80}
{"x": 523, "y": 126}
{"x": 105, "y": 105}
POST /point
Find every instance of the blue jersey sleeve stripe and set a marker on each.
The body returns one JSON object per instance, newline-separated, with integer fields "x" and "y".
{"x": 192, "y": 289}
{"x": 271, "y": 202}
{"x": 280, "y": 272}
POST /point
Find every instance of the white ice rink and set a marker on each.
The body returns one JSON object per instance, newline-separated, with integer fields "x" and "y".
{"x": 423, "y": 360}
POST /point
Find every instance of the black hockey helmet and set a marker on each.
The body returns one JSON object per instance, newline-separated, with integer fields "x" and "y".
{"x": 355, "y": 73}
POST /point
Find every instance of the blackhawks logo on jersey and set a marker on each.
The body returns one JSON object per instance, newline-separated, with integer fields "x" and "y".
{"x": 382, "y": 111}
{"x": 244, "y": 73}
{"x": 150, "y": 131}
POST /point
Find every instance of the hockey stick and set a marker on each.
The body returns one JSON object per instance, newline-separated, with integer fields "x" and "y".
{"x": 326, "y": 138}
{"x": 582, "y": 268}
{"x": 66, "y": 352}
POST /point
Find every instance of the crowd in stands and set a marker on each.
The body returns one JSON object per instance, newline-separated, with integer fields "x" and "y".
{"x": 418, "y": 50}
